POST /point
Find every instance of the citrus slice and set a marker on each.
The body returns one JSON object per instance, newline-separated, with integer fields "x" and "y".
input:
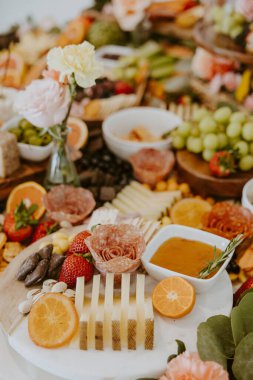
{"x": 174, "y": 297}
{"x": 189, "y": 212}
{"x": 29, "y": 192}
{"x": 78, "y": 134}
{"x": 52, "y": 321}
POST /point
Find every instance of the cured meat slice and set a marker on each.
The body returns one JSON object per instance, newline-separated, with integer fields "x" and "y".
{"x": 68, "y": 203}
{"x": 151, "y": 166}
{"x": 228, "y": 220}
{"x": 116, "y": 248}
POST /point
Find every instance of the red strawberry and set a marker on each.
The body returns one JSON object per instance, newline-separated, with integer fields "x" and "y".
{"x": 222, "y": 164}
{"x": 123, "y": 88}
{"x": 18, "y": 224}
{"x": 76, "y": 266}
{"x": 44, "y": 228}
{"x": 247, "y": 285}
{"x": 78, "y": 244}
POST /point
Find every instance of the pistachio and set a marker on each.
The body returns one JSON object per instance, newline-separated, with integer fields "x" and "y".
{"x": 59, "y": 287}
{"x": 32, "y": 293}
{"x": 25, "y": 306}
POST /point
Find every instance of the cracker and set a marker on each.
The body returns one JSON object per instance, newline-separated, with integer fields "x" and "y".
{"x": 11, "y": 250}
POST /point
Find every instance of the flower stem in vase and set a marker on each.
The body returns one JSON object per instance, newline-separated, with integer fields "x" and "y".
{"x": 60, "y": 170}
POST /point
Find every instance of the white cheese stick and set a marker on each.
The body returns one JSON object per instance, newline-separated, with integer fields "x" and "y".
{"x": 108, "y": 309}
{"x": 93, "y": 310}
{"x": 140, "y": 307}
{"x": 125, "y": 291}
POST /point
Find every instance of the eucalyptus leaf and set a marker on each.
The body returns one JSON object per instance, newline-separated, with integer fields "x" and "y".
{"x": 243, "y": 360}
{"x": 242, "y": 318}
{"x": 215, "y": 340}
{"x": 180, "y": 347}
{"x": 244, "y": 294}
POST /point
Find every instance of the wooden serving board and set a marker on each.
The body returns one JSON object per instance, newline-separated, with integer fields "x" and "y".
{"x": 196, "y": 172}
{"x": 27, "y": 171}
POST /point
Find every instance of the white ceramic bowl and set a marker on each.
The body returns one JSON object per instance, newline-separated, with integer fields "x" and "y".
{"x": 29, "y": 152}
{"x": 174, "y": 230}
{"x": 247, "y": 195}
{"x": 157, "y": 121}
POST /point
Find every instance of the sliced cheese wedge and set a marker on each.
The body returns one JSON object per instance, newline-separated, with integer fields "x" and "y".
{"x": 108, "y": 309}
{"x": 116, "y": 344}
{"x": 93, "y": 310}
{"x": 125, "y": 292}
{"x": 99, "y": 324}
{"x": 83, "y": 330}
{"x": 140, "y": 309}
{"x": 149, "y": 324}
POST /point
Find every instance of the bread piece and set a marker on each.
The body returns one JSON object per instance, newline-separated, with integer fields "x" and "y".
{"x": 9, "y": 154}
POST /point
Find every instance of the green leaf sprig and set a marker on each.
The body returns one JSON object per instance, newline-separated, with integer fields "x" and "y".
{"x": 24, "y": 215}
{"x": 217, "y": 261}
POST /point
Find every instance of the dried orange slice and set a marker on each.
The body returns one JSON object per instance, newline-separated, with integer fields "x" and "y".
{"x": 189, "y": 212}
{"x": 30, "y": 192}
{"x": 52, "y": 321}
{"x": 174, "y": 297}
{"x": 78, "y": 134}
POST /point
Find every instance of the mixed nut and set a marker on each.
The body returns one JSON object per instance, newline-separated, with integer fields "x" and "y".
{"x": 40, "y": 265}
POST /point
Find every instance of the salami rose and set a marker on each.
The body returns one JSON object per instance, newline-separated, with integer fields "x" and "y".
{"x": 116, "y": 248}
{"x": 151, "y": 166}
{"x": 228, "y": 220}
{"x": 66, "y": 202}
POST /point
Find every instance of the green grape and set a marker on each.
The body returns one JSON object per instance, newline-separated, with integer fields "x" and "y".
{"x": 207, "y": 125}
{"x": 247, "y": 131}
{"x": 29, "y": 132}
{"x": 246, "y": 163}
{"x": 236, "y": 31}
{"x": 234, "y": 130}
{"x": 199, "y": 114}
{"x": 195, "y": 132}
{"x": 46, "y": 139}
{"x": 222, "y": 115}
{"x": 24, "y": 124}
{"x": 211, "y": 141}
{"x": 222, "y": 140}
{"x": 221, "y": 128}
{"x": 242, "y": 148}
{"x": 234, "y": 141}
{"x": 238, "y": 117}
{"x": 238, "y": 18}
{"x": 35, "y": 140}
{"x": 194, "y": 144}
{"x": 184, "y": 129}
{"x": 17, "y": 132}
{"x": 178, "y": 142}
{"x": 251, "y": 148}
{"x": 208, "y": 154}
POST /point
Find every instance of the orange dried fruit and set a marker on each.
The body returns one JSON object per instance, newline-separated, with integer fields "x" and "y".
{"x": 30, "y": 192}
{"x": 78, "y": 134}
{"x": 174, "y": 297}
{"x": 53, "y": 321}
{"x": 189, "y": 212}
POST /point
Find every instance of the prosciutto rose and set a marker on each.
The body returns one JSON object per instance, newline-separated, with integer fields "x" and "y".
{"x": 116, "y": 248}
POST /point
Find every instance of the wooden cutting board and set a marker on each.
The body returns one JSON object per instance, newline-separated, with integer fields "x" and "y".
{"x": 194, "y": 170}
{"x": 27, "y": 171}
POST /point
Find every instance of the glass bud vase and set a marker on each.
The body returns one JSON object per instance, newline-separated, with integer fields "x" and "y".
{"x": 61, "y": 170}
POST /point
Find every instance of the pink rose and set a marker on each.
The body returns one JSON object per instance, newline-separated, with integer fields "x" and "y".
{"x": 202, "y": 64}
{"x": 189, "y": 366}
{"x": 245, "y": 7}
{"x": 44, "y": 102}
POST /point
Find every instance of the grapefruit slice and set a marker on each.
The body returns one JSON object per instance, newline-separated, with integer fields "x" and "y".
{"x": 30, "y": 192}
{"x": 174, "y": 297}
{"x": 189, "y": 212}
{"x": 78, "y": 134}
{"x": 52, "y": 321}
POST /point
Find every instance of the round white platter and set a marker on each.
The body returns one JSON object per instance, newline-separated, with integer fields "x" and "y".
{"x": 73, "y": 364}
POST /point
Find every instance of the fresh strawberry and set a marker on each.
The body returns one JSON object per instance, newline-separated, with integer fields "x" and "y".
{"x": 78, "y": 244}
{"x": 76, "y": 266}
{"x": 123, "y": 88}
{"x": 18, "y": 224}
{"x": 246, "y": 286}
{"x": 44, "y": 228}
{"x": 222, "y": 164}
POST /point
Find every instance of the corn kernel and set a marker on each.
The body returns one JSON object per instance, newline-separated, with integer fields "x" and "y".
{"x": 166, "y": 220}
{"x": 171, "y": 180}
{"x": 147, "y": 186}
{"x": 242, "y": 277}
{"x": 233, "y": 276}
{"x": 210, "y": 200}
{"x": 161, "y": 186}
{"x": 184, "y": 188}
